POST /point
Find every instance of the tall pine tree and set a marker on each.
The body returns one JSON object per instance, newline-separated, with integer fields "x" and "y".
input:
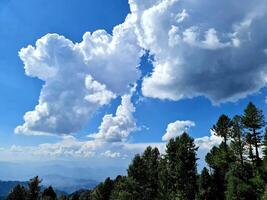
{"x": 181, "y": 155}
{"x": 253, "y": 120}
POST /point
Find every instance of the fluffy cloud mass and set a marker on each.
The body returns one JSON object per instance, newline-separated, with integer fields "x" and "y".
{"x": 117, "y": 128}
{"x": 199, "y": 50}
{"x": 177, "y": 128}
{"x": 207, "y": 142}
{"x": 78, "y": 77}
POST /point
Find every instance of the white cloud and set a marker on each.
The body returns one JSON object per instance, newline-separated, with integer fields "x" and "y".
{"x": 177, "y": 128}
{"x": 79, "y": 77}
{"x": 111, "y": 154}
{"x": 197, "y": 51}
{"x": 200, "y": 51}
{"x": 118, "y": 127}
{"x": 207, "y": 142}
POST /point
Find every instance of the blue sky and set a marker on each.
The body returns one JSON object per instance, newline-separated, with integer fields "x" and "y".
{"x": 190, "y": 63}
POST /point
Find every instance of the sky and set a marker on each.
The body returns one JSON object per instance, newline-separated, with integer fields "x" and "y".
{"x": 91, "y": 83}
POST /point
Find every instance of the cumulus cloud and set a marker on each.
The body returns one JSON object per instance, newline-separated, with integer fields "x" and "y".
{"x": 199, "y": 50}
{"x": 177, "y": 128}
{"x": 118, "y": 127}
{"x": 78, "y": 77}
{"x": 207, "y": 142}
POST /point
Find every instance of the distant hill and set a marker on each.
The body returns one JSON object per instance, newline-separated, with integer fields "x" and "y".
{"x": 68, "y": 184}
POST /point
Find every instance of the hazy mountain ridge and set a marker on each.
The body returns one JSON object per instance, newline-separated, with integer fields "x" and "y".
{"x": 68, "y": 184}
{"x": 61, "y": 184}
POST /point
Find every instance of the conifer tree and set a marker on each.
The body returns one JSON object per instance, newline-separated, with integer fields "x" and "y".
{"x": 238, "y": 143}
{"x": 166, "y": 185}
{"x": 34, "y": 188}
{"x": 49, "y": 194}
{"x": 219, "y": 160}
{"x": 144, "y": 170}
{"x": 253, "y": 120}
{"x": 205, "y": 186}
{"x": 182, "y": 161}
{"x": 239, "y": 185}
{"x": 103, "y": 190}
{"x": 17, "y": 193}
{"x": 124, "y": 189}
{"x": 223, "y": 128}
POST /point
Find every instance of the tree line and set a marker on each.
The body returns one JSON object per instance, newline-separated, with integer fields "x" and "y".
{"x": 236, "y": 169}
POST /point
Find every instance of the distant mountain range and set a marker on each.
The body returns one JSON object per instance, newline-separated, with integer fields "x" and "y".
{"x": 68, "y": 184}
{"x": 61, "y": 184}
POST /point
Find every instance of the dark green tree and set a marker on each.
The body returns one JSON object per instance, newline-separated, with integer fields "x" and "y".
{"x": 144, "y": 170}
{"x": 103, "y": 190}
{"x": 166, "y": 186}
{"x": 34, "y": 188}
{"x": 253, "y": 120}
{"x": 125, "y": 188}
{"x": 219, "y": 160}
{"x": 205, "y": 186}
{"x": 49, "y": 194}
{"x": 249, "y": 146}
{"x": 17, "y": 193}
{"x": 223, "y": 128}
{"x": 238, "y": 141}
{"x": 239, "y": 185}
{"x": 181, "y": 155}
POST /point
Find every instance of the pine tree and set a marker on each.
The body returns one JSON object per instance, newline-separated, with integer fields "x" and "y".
{"x": 223, "y": 128}
{"x": 166, "y": 185}
{"x": 125, "y": 188}
{"x": 253, "y": 120}
{"x": 49, "y": 194}
{"x": 205, "y": 186}
{"x": 219, "y": 160}
{"x": 144, "y": 170}
{"x": 34, "y": 188}
{"x": 238, "y": 143}
{"x": 17, "y": 193}
{"x": 249, "y": 146}
{"x": 103, "y": 190}
{"x": 151, "y": 161}
{"x": 181, "y": 155}
{"x": 239, "y": 185}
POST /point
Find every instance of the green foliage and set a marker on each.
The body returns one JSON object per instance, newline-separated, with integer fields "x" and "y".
{"x": 125, "y": 188}
{"x": 103, "y": 190}
{"x": 238, "y": 183}
{"x": 18, "y": 193}
{"x": 238, "y": 140}
{"x": 33, "y": 188}
{"x": 49, "y": 194}
{"x": 253, "y": 120}
{"x": 144, "y": 171}
{"x": 223, "y": 127}
{"x": 264, "y": 196}
{"x": 205, "y": 186}
{"x": 181, "y": 155}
